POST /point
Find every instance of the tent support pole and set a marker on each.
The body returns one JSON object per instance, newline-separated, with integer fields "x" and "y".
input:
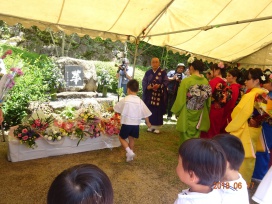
{"x": 137, "y": 41}
{"x": 208, "y": 27}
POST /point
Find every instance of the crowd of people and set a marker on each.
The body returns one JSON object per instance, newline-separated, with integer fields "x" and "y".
{"x": 218, "y": 115}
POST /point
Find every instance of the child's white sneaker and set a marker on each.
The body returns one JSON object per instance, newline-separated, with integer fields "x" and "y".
{"x": 156, "y": 131}
{"x": 130, "y": 156}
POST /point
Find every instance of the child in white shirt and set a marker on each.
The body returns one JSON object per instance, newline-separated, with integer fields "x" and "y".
{"x": 201, "y": 163}
{"x": 132, "y": 110}
{"x": 232, "y": 186}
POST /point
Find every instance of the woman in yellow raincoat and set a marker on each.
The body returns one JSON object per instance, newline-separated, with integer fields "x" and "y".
{"x": 244, "y": 127}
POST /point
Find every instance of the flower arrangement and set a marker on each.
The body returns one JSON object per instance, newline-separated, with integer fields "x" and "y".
{"x": 104, "y": 78}
{"x": 112, "y": 125}
{"x": 40, "y": 124}
{"x": 26, "y": 135}
{"x": 7, "y": 81}
{"x": 53, "y": 134}
{"x": 65, "y": 127}
{"x": 79, "y": 131}
{"x": 87, "y": 122}
{"x": 88, "y": 115}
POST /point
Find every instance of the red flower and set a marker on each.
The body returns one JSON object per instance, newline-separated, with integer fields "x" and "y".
{"x": 37, "y": 122}
{"x": 24, "y": 131}
{"x": 25, "y": 137}
{"x": 9, "y": 52}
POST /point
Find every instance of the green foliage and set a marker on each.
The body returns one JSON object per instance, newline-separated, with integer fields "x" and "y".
{"x": 40, "y": 76}
{"x": 120, "y": 92}
{"x": 169, "y": 60}
{"x": 4, "y": 31}
{"x": 68, "y": 113}
{"x": 52, "y": 76}
{"x": 106, "y": 72}
{"x": 106, "y": 75}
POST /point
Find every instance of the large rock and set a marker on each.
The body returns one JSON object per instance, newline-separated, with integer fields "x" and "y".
{"x": 89, "y": 73}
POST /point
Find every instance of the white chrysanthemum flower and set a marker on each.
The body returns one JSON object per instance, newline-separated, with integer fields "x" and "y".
{"x": 50, "y": 138}
{"x": 59, "y": 138}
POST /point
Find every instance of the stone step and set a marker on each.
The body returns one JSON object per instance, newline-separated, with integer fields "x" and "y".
{"x": 75, "y": 99}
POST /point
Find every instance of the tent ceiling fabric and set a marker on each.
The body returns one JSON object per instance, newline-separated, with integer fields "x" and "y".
{"x": 263, "y": 55}
{"x": 119, "y": 19}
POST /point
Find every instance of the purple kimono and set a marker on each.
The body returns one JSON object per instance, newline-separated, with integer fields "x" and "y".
{"x": 156, "y": 101}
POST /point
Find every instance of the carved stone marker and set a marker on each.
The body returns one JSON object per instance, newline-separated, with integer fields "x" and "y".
{"x": 74, "y": 75}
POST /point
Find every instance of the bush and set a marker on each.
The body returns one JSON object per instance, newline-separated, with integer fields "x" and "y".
{"x": 106, "y": 74}
{"x": 40, "y": 76}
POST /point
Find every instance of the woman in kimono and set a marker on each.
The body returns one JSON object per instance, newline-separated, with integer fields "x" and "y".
{"x": 263, "y": 159}
{"x": 217, "y": 109}
{"x": 233, "y": 77}
{"x": 192, "y": 103}
{"x": 243, "y": 126}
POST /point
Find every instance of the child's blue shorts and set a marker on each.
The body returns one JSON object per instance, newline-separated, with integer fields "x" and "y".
{"x": 129, "y": 130}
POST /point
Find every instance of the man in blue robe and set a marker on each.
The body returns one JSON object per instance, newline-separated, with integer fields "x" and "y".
{"x": 154, "y": 85}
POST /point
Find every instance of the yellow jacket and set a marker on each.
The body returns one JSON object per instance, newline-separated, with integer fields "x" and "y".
{"x": 239, "y": 124}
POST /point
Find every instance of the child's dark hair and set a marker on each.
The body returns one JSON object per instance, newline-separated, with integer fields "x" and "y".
{"x": 233, "y": 149}
{"x": 255, "y": 74}
{"x": 81, "y": 184}
{"x": 223, "y": 71}
{"x": 133, "y": 85}
{"x": 198, "y": 65}
{"x": 205, "y": 158}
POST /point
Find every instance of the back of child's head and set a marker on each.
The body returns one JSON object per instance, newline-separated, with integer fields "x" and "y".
{"x": 233, "y": 149}
{"x": 81, "y": 184}
{"x": 205, "y": 158}
{"x": 133, "y": 85}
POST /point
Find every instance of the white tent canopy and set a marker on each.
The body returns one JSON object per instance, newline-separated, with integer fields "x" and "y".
{"x": 181, "y": 25}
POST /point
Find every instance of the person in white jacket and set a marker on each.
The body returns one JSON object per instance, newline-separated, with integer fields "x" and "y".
{"x": 132, "y": 110}
{"x": 263, "y": 193}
